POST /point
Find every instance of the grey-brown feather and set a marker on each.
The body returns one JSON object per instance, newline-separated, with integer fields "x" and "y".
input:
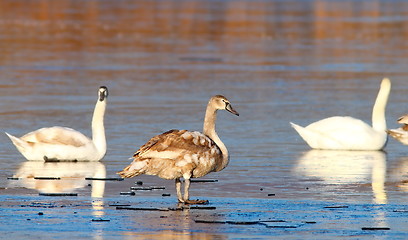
{"x": 167, "y": 155}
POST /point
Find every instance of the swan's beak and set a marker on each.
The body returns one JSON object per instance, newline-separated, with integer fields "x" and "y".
{"x": 229, "y": 108}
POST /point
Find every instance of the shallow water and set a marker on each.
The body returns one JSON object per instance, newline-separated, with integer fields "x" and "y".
{"x": 276, "y": 61}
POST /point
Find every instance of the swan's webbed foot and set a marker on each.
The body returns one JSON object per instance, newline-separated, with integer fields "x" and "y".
{"x": 185, "y": 199}
{"x": 189, "y": 202}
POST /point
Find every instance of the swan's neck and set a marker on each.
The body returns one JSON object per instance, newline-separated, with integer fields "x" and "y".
{"x": 378, "y": 118}
{"x": 209, "y": 130}
{"x": 98, "y": 128}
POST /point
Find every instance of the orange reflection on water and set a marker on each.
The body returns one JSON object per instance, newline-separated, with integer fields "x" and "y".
{"x": 164, "y": 26}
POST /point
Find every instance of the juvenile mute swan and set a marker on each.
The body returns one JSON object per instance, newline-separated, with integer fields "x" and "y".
{"x": 347, "y": 133}
{"x": 66, "y": 144}
{"x": 401, "y": 133}
{"x": 181, "y": 153}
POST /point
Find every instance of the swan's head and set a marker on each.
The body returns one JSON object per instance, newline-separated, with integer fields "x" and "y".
{"x": 403, "y": 119}
{"x": 103, "y": 93}
{"x": 220, "y": 102}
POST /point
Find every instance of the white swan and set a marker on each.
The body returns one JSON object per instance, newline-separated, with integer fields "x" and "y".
{"x": 347, "y": 133}
{"x": 66, "y": 144}
{"x": 401, "y": 133}
{"x": 181, "y": 153}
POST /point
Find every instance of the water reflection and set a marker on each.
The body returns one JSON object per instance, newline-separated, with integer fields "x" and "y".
{"x": 98, "y": 211}
{"x": 72, "y": 176}
{"x": 75, "y": 32}
{"x": 184, "y": 220}
{"x": 399, "y": 175}
{"x": 347, "y": 167}
{"x": 172, "y": 234}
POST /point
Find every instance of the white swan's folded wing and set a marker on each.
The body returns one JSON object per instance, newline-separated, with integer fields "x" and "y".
{"x": 57, "y": 136}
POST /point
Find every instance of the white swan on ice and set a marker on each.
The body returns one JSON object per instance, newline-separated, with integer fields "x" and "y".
{"x": 347, "y": 133}
{"x": 66, "y": 144}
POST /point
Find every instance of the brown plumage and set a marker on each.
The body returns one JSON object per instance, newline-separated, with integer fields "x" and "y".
{"x": 181, "y": 153}
{"x": 174, "y": 153}
{"x": 401, "y": 133}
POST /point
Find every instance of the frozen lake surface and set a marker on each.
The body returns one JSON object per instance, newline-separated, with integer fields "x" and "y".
{"x": 276, "y": 61}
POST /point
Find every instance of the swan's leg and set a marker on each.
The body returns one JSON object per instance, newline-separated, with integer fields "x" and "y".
{"x": 186, "y": 194}
{"x": 178, "y": 190}
{"x": 186, "y": 189}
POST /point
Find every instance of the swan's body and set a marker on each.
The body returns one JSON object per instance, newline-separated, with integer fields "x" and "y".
{"x": 181, "y": 153}
{"x": 401, "y": 133}
{"x": 66, "y": 144}
{"x": 347, "y": 133}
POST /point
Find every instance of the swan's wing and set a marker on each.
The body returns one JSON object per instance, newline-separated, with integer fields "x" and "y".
{"x": 57, "y": 136}
{"x": 173, "y": 153}
{"x": 339, "y": 126}
{"x": 175, "y": 144}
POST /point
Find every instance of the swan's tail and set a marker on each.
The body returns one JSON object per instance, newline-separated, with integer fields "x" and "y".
{"x": 399, "y": 135}
{"x": 20, "y": 144}
{"x": 300, "y": 130}
{"x": 134, "y": 169}
{"x": 309, "y": 137}
{"x": 393, "y": 133}
{"x": 295, "y": 126}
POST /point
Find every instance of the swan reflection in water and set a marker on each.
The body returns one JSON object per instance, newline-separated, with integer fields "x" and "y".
{"x": 184, "y": 231}
{"x": 399, "y": 174}
{"x": 72, "y": 176}
{"x": 347, "y": 167}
